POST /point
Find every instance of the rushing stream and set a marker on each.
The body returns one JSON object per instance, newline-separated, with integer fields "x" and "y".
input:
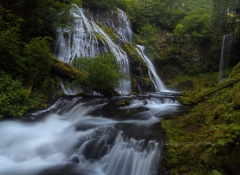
{"x": 81, "y": 136}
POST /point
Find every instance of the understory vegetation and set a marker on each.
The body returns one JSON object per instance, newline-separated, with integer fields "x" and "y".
{"x": 205, "y": 140}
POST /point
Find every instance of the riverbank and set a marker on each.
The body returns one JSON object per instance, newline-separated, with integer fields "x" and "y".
{"x": 205, "y": 139}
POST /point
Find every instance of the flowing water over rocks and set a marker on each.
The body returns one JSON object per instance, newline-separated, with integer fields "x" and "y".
{"x": 159, "y": 86}
{"x": 225, "y": 56}
{"x": 86, "y": 39}
{"x": 81, "y": 136}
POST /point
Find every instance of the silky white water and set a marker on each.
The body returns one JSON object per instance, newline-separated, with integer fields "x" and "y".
{"x": 158, "y": 84}
{"x": 225, "y": 54}
{"x": 70, "y": 140}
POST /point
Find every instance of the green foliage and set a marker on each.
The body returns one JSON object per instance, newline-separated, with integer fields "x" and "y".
{"x": 25, "y": 59}
{"x": 210, "y": 130}
{"x": 66, "y": 71}
{"x": 192, "y": 4}
{"x": 215, "y": 172}
{"x": 11, "y": 60}
{"x": 196, "y": 25}
{"x": 100, "y": 4}
{"x": 154, "y": 12}
{"x": 39, "y": 18}
{"x": 223, "y": 15}
{"x": 13, "y": 96}
{"x": 38, "y": 60}
{"x": 148, "y": 34}
{"x": 10, "y": 44}
{"x": 234, "y": 97}
{"x": 103, "y": 73}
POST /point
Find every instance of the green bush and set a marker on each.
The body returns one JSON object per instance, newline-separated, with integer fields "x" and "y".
{"x": 13, "y": 96}
{"x": 103, "y": 73}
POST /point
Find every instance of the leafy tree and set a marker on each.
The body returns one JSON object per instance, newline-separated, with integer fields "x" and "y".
{"x": 103, "y": 73}
{"x": 38, "y": 60}
{"x": 9, "y": 49}
{"x": 10, "y": 46}
{"x": 223, "y": 13}
{"x": 153, "y": 12}
{"x": 39, "y": 17}
{"x": 197, "y": 26}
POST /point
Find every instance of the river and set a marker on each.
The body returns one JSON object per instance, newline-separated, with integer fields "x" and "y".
{"x": 87, "y": 136}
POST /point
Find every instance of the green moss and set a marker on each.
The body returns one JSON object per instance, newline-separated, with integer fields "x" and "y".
{"x": 66, "y": 71}
{"x": 123, "y": 102}
{"x": 221, "y": 108}
{"x": 110, "y": 33}
{"x": 235, "y": 72}
{"x": 234, "y": 97}
{"x": 205, "y": 139}
{"x": 215, "y": 172}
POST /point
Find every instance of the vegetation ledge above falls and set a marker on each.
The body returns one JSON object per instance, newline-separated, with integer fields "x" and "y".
{"x": 205, "y": 140}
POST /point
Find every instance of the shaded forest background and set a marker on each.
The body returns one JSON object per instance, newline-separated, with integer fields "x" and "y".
{"x": 182, "y": 37}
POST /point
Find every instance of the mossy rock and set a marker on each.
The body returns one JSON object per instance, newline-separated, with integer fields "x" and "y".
{"x": 234, "y": 97}
{"x": 123, "y": 102}
{"x": 221, "y": 108}
{"x": 236, "y": 101}
{"x": 215, "y": 172}
{"x": 66, "y": 71}
{"x": 235, "y": 72}
{"x": 184, "y": 85}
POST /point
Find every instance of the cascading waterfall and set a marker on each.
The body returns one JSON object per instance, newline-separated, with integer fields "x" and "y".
{"x": 78, "y": 40}
{"x": 75, "y": 138}
{"x": 81, "y": 42}
{"x": 225, "y": 54}
{"x": 128, "y": 153}
{"x": 125, "y": 85}
{"x": 124, "y": 27}
{"x": 158, "y": 84}
{"x": 118, "y": 22}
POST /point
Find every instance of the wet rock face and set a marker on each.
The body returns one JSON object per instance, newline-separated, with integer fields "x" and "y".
{"x": 116, "y": 20}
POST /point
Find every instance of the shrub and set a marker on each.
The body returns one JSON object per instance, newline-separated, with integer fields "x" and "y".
{"x": 103, "y": 73}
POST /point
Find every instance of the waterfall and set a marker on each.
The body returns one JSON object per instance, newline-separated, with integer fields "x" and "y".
{"x": 122, "y": 59}
{"x": 117, "y": 22}
{"x": 124, "y": 27}
{"x": 80, "y": 41}
{"x": 134, "y": 159}
{"x": 158, "y": 84}
{"x": 75, "y": 137}
{"x": 225, "y": 54}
